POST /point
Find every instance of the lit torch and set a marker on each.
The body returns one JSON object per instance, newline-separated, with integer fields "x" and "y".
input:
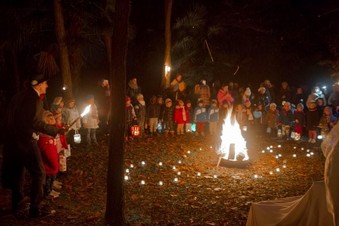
{"x": 85, "y": 112}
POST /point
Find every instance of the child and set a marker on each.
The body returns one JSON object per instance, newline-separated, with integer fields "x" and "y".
{"x": 71, "y": 113}
{"x": 60, "y": 138}
{"x": 259, "y": 115}
{"x": 200, "y": 118}
{"x": 180, "y": 116}
{"x": 168, "y": 117}
{"x": 160, "y": 126}
{"x": 153, "y": 113}
{"x": 285, "y": 119}
{"x": 327, "y": 121}
{"x": 272, "y": 118}
{"x": 49, "y": 155}
{"x": 240, "y": 115}
{"x": 249, "y": 112}
{"x": 91, "y": 122}
{"x": 213, "y": 117}
{"x": 299, "y": 121}
{"x": 189, "y": 108}
{"x": 140, "y": 112}
{"x": 312, "y": 121}
{"x": 57, "y": 105}
{"x": 130, "y": 118}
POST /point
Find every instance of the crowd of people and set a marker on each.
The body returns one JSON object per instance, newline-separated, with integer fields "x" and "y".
{"x": 283, "y": 112}
{"x": 39, "y": 138}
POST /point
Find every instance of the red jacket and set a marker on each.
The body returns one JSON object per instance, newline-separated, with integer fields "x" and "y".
{"x": 49, "y": 153}
{"x": 181, "y": 115}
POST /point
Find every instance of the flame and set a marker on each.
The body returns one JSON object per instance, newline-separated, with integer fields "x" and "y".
{"x": 86, "y": 111}
{"x": 231, "y": 134}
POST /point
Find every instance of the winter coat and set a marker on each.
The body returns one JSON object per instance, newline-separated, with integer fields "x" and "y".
{"x": 190, "y": 111}
{"x": 203, "y": 93}
{"x": 213, "y": 114}
{"x": 71, "y": 114}
{"x": 168, "y": 114}
{"x": 49, "y": 153}
{"x": 223, "y": 96}
{"x": 200, "y": 114}
{"x": 312, "y": 119}
{"x": 132, "y": 91}
{"x": 286, "y": 117}
{"x": 140, "y": 111}
{"x": 130, "y": 114}
{"x": 272, "y": 118}
{"x": 91, "y": 120}
{"x": 153, "y": 111}
{"x": 181, "y": 115}
{"x": 300, "y": 116}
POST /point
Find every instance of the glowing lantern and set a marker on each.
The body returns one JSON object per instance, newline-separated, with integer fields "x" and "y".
{"x": 135, "y": 130}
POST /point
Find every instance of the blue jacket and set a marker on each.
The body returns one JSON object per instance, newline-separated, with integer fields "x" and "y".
{"x": 200, "y": 114}
{"x": 213, "y": 114}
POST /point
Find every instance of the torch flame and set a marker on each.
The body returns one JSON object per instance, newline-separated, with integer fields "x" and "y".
{"x": 86, "y": 111}
{"x": 231, "y": 134}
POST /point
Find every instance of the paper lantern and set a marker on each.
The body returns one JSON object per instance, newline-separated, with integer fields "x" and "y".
{"x": 135, "y": 130}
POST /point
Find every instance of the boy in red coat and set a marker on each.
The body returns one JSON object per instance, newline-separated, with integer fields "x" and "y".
{"x": 180, "y": 116}
{"x": 49, "y": 154}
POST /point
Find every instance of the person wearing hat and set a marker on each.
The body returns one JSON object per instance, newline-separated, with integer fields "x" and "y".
{"x": 21, "y": 150}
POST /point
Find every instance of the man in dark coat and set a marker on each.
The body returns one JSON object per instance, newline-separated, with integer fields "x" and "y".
{"x": 20, "y": 148}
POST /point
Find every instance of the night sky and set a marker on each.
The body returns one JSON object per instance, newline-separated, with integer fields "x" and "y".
{"x": 290, "y": 50}
{"x": 268, "y": 39}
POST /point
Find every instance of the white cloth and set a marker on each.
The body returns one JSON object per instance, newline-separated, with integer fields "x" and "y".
{"x": 307, "y": 210}
{"x": 318, "y": 207}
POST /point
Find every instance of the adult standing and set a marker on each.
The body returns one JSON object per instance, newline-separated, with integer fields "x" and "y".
{"x": 102, "y": 96}
{"x": 21, "y": 150}
{"x": 224, "y": 95}
{"x": 202, "y": 92}
{"x": 178, "y": 87}
{"x": 133, "y": 89}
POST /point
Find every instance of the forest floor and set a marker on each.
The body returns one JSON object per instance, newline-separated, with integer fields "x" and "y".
{"x": 182, "y": 183}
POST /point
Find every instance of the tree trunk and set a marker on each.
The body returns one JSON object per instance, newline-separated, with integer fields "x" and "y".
{"x": 107, "y": 38}
{"x": 167, "y": 61}
{"x": 114, "y": 203}
{"x": 63, "y": 50}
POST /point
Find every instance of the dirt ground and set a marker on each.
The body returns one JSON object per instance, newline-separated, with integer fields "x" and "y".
{"x": 175, "y": 180}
